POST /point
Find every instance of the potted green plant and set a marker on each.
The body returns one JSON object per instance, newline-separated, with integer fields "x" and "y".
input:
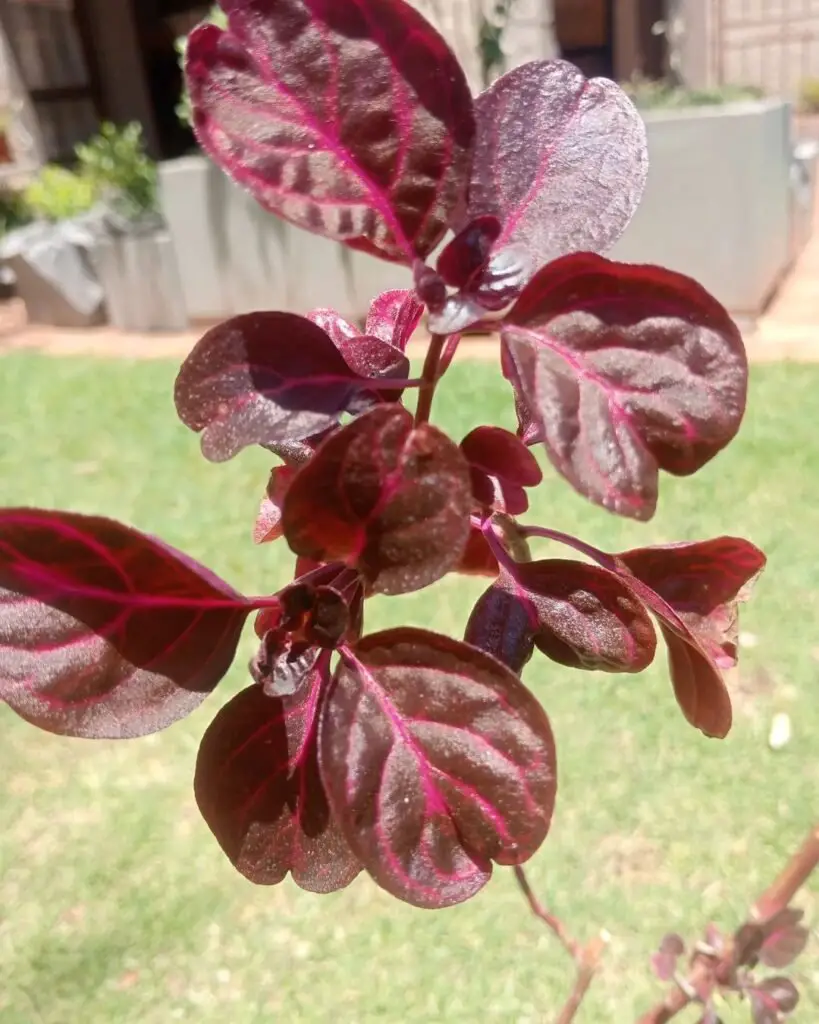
{"x": 135, "y": 259}
{"x": 49, "y": 257}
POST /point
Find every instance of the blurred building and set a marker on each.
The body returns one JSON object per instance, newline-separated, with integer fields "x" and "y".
{"x": 70, "y": 63}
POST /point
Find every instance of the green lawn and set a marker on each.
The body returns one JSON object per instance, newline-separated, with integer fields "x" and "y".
{"x": 117, "y": 906}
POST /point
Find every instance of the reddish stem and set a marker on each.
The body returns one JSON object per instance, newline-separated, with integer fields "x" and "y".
{"x": 429, "y": 378}
{"x": 708, "y": 971}
{"x": 571, "y": 946}
{"x": 587, "y": 958}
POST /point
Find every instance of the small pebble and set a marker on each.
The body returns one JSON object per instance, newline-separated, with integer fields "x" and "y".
{"x": 780, "y": 731}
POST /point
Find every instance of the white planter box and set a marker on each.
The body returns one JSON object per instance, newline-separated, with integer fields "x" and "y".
{"x": 233, "y": 257}
{"x": 722, "y": 205}
{"x": 718, "y": 205}
{"x": 141, "y": 282}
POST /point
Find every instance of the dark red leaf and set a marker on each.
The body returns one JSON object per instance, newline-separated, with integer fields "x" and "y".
{"x": 559, "y": 160}
{"x": 321, "y": 608}
{"x": 296, "y": 453}
{"x": 748, "y": 941}
{"x": 500, "y": 454}
{"x": 626, "y": 370}
{"x": 468, "y": 252}
{"x": 584, "y": 616}
{"x": 106, "y": 633}
{"x": 350, "y": 118}
{"x": 394, "y": 317}
{"x": 263, "y": 378}
{"x": 478, "y": 559}
{"x": 703, "y": 582}
{"x": 269, "y": 520}
{"x": 385, "y": 496}
{"x": 437, "y": 761}
{"x": 430, "y": 287}
{"x": 281, "y": 667}
{"x": 772, "y": 998}
{"x": 785, "y": 939}
{"x": 664, "y": 961}
{"x": 698, "y": 684}
{"x": 258, "y": 787}
{"x": 366, "y": 355}
{"x": 501, "y": 624}
{"x": 501, "y": 466}
{"x": 503, "y": 278}
{"x": 499, "y": 495}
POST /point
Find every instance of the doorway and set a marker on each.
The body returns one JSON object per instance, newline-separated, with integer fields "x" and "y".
{"x": 159, "y": 24}
{"x": 585, "y": 35}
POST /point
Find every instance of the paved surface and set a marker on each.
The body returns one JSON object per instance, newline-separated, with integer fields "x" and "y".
{"x": 789, "y": 330}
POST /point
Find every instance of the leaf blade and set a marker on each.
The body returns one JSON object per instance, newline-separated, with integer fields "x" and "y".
{"x": 353, "y": 119}
{"x": 386, "y": 497}
{"x": 105, "y": 632}
{"x": 560, "y": 160}
{"x": 622, "y": 371}
{"x": 258, "y": 788}
{"x": 459, "y": 796}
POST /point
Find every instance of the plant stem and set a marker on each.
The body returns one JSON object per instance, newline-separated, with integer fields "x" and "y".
{"x": 571, "y": 946}
{"x": 429, "y": 378}
{"x": 707, "y": 972}
{"x": 606, "y": 561}
{"x": 587, "y": 958}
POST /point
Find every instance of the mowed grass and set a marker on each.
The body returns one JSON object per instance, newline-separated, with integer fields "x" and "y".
{"x": 117, "y": 906}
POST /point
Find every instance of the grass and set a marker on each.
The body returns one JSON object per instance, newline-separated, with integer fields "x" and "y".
{"x": 117, "y": 906}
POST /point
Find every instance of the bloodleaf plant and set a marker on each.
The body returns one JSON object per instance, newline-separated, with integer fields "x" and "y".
{"x": 419, "y": 758}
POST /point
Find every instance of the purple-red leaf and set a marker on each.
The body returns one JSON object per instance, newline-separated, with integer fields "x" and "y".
{"x": 468, "y": 252}
{"x": 583, "y": 616}
{"x": 772, "y": 998}
{"x": 367, "y": 355}
{"x": 502, "y": 466}
{"x": 785, "y": 939}
{"x": 478, "y": 558}
{"x": 559, "y": 160}
{"x": 386, "y": 497}
{"x": 664, "y": 961}
{"x": 437, "y": 761}
{"x": 501, "y": 624}
{"x": 698, "y": 684}
{"x": 263, "y": 378}
{"x": 393, "y": 317}
{"x": 625, "y": 370}
{"x": 106, "y": 633}
{"x": 349, "y": 118}
{"x": 268, "y": 525}
{"x": 703, "y": 582}
{"x": 258, "y": 787}
{"x": 500, "y": 454}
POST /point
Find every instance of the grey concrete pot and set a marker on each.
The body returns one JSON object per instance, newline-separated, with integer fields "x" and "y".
{"x": 140, "y": 278}
{"x": 719, "y": 205}
{"x": 235, "y": 258}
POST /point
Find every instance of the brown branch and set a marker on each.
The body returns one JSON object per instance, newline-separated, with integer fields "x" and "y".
{"x": 587, "y": 964}
{"x": 709, "y": 971}
{"x": 587, "y": 958}
{"x": 572, "y": 946}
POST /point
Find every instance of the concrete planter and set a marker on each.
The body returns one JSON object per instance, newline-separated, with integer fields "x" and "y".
{"x": 233, "y": 257}
{"x": 720, "y": 200}
{"x": 140, "y": 279}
